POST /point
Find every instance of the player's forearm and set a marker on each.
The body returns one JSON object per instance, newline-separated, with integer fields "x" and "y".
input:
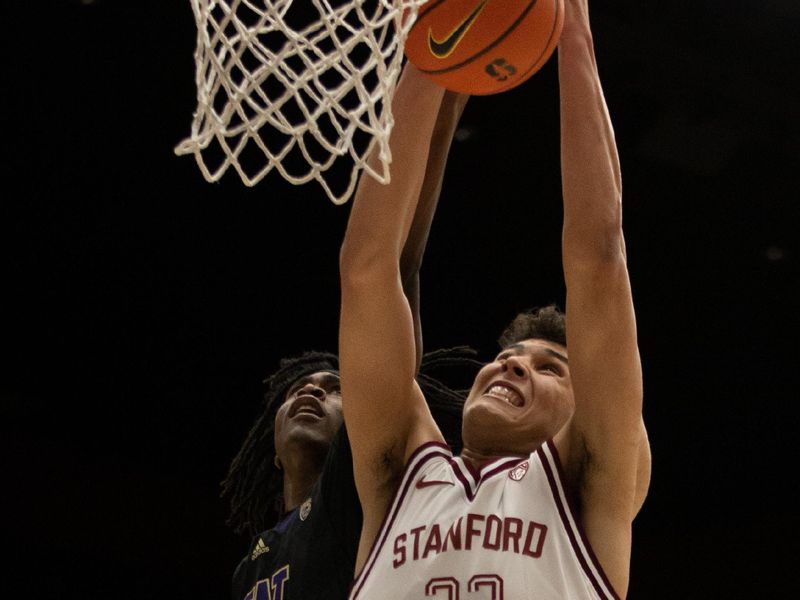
{"x": 414, "y": 248}
{"x": 382, "y": 214}
{"x": 591, "y": 181}
{"x": 452, "y": 107}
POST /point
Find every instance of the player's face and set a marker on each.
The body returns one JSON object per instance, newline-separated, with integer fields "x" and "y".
{"x": 310, "y": 416}
{"x": 520, "y": 400}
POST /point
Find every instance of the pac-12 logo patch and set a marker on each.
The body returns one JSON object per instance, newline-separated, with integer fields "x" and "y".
{"x": 305, "y": 509}
{"x": 518, "y": 472}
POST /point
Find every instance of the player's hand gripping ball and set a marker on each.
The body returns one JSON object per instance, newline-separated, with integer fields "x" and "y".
{"x": 481, "y": 47}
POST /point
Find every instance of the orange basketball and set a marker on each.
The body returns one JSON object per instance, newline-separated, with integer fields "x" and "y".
{"x": 484, "y": 47}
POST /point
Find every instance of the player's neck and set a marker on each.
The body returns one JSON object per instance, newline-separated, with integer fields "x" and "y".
{"x": 296, "y": 489}
{"x": 299, "y": 476}
{"x": 478, "y": 459}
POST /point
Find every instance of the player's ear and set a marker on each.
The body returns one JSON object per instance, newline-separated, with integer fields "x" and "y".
{"x": 277, "y": 463}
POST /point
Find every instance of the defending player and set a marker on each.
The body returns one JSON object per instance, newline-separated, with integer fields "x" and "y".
{"x": 291, "y": 484}
{"x": 292, "y": 471}
{"x": 555, "y": 462}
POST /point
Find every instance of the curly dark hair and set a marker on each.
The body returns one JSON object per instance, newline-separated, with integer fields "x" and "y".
{"x": 545, "y": 323}
{"x": 253, "y": 484}
{"x": 255, "y": 487}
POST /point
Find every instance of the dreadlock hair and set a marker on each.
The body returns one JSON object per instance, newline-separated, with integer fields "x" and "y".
{"x": 546, "y": 323}
{"x": 253, "y": 484}
{"x": 446, "y": 400}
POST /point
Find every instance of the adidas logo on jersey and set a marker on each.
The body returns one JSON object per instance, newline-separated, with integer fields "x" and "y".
{"x": 261, "y": 548}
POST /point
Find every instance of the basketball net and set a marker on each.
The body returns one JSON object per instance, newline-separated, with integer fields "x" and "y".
{"x": 295, "y": 88}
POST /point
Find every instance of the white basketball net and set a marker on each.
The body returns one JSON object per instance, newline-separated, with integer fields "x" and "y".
{"x": 295, "y": 87}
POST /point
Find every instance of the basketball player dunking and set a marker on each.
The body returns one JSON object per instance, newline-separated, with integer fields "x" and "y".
{"x": 555, "y": 464}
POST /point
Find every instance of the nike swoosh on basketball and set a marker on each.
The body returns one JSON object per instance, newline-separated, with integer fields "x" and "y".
{"x": 443, "y": 48}
{"x": 422, "y": 483}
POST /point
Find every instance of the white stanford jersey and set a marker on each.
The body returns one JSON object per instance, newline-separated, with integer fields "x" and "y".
{"x": 504, "y": 532}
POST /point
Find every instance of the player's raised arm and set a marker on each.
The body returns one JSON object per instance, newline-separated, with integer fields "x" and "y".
{"x": 414, "y": 248}
{"x": 603, "y": 445}
{"x": 385, "y": 412}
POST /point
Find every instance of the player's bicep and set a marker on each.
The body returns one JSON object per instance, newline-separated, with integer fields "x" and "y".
{"x": 605, "y": 366}
{"x": 382, "y": 403}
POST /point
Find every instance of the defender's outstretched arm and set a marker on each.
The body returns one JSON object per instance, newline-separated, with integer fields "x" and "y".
{"x": 411, "y": 258}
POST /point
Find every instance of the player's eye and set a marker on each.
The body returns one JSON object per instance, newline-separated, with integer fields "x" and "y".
{"x": 293, "y": 390}
{"x": 551, "y": 368}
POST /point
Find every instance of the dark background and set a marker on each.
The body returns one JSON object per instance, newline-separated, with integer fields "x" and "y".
{"x": 141, "y": 306}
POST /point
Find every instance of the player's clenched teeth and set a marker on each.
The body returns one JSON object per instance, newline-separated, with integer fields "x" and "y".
{"x": 503, "y": 392}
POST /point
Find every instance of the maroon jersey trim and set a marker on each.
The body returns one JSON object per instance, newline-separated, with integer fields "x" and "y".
{"x": 583, "y": 557}
{"x": 462, "y": 478}
{"x": 409, "y": 475}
